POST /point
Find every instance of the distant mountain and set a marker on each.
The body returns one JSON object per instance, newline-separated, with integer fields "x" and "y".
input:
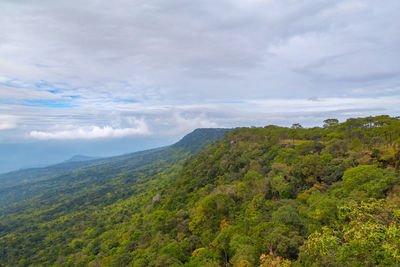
{"x": 30, "y": 175}
{"x": 78, "y": 158}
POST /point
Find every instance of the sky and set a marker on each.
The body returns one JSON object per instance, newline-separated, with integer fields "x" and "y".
{"x": 110, "y": 77}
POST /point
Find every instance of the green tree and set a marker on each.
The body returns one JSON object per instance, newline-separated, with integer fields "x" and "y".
{"x": 369, "y": 237}
{"x": 330, "y": 123}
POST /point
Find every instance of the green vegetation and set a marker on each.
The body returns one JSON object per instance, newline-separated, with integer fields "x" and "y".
{"x": 271, "y": 196}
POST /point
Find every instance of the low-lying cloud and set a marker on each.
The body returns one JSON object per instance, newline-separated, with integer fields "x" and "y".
{"x": 91, "y": 132}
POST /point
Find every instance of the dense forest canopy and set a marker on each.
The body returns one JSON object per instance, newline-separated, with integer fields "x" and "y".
{"x": 271, "y": 196}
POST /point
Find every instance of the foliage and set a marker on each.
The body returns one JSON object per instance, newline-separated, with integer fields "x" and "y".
{"x": 369, "y": 236}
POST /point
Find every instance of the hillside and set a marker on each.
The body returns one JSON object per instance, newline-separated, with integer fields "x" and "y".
{"x": 271, "y": 196}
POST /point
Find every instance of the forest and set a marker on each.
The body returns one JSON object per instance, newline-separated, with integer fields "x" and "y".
{"x": 259, "y": 196}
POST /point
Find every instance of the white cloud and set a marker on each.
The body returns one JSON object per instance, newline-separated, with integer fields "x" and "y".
{"x": 326, "y": 104}
{"x": 184, "y": 125}
{"x": 93, "y": 132}
{"x": 6, "y": 125}
{"x": 7, "y": 122}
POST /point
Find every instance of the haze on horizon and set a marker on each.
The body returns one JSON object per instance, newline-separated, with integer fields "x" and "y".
{"x": 103, "y": 77}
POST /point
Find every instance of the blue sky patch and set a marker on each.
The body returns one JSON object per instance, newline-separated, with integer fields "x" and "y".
{"x": 48, "y": 104}
{"x": 74, "y": 96}
{"x": 127, "y": 100}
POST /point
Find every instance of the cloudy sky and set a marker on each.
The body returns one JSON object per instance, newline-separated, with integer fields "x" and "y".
{"x": 107, "y": 70}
